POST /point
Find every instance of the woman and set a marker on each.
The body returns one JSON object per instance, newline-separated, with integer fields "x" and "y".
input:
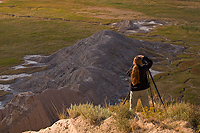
{"x": 139, "y": 81}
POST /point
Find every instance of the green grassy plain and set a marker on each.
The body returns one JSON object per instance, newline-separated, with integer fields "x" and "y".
{"x": 44, "y": 26}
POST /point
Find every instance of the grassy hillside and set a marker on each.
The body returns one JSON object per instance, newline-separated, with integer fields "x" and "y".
{"x": 43, "y": 27}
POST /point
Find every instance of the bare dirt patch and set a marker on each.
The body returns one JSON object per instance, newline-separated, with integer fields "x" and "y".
{"x": 112, "y": 13}
{"x": 79, "y": 125}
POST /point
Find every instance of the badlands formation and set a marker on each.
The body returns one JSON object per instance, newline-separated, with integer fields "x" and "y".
{"x": 91, "y": 70}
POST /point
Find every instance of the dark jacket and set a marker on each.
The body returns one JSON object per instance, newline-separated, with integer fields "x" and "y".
{"x": 144, "y": 84}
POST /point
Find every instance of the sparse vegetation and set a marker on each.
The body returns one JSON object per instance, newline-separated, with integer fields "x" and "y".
{"x": 125, "y": 119}
{"x": 62, "y": 114}
{"x": 122, "y": 117}
{"x": 94, "y": 114}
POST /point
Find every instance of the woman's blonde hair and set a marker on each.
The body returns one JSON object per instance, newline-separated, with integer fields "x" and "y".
{"x": 135, "y": 75}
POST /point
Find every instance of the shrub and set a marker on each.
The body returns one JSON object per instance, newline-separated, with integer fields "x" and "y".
{"x": 122, "y": 117}
{"x": 194, "y": 116}
{"x": 198, "y": 128}
{"x": 177, "y": 111}
{"x": 61, "y": 114}
{"x": 153, "y": 114}
{"x": 184, "y": 111}
{"x": 95, "y": 114}
{"x": 73, "y": 111}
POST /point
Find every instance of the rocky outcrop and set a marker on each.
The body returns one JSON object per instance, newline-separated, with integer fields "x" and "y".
{"x": 24, "y": 112}
{"x": 139, "y": 125}
{"x": 91, "y": 70}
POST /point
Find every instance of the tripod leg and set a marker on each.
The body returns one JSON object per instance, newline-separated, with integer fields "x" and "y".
{"x": 126, "y": 98}
{"x": 156, "y": 89}
{"x": 151, "y": 94}
{"x": 152, "y": 99}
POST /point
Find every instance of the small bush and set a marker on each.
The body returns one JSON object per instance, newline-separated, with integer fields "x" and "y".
{"x": 153, "y": 115}
{"x": 198, "y": 128}
{"x": 95, "y": 114}
{"x": 176, "y": 111}
{"x": 61, "y": 114}
{"x": 185, "y": 111}
{"x": 194, "y": 116}
{"x": 123, "y": 117}
{"x": 73, "y": 111}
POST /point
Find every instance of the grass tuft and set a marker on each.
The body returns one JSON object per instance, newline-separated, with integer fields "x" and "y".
{"x": 61, "y": 114}
{"x": 95, "y": 114}
{"x": 122, "y": 117}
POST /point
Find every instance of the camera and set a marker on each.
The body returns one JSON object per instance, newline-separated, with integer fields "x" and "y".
{"x": 144, "y": 61}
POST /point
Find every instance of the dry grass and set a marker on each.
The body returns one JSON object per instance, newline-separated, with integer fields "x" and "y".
{"x": 173, "y": 111}
{"x": 61, "y": 114}
{"x": 95, "y": 114}
{"x": 124, "y": 118}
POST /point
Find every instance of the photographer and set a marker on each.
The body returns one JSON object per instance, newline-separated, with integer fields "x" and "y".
{"x": 139, "y": 82}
